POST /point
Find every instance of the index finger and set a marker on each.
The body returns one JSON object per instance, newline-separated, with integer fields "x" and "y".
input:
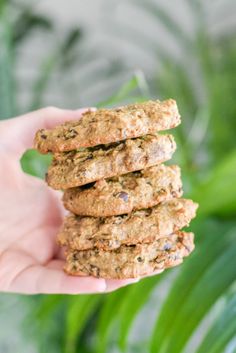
{"x": 51, "y": 279}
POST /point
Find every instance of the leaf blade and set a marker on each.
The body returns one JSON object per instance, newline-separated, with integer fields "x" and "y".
{"x": 132, "y": 304}
{"x": 79, "y": 310}
{"x": 191, "y": 273}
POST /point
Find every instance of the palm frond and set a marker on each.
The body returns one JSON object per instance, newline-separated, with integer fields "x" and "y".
{"x": 197, "y": 288}
{"x": 221, "y": 181}
{"x": 26, "y": 23}
{"x": 133, "y": 302}
{"x": 78, "y": 312}
{"x": 7, "y": 84}
{"x": 137, "y": 82}
{"x": 223, "y": 329}
{"x": 106, "y": 321}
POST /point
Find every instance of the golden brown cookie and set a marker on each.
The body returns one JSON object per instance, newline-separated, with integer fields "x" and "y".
{"x": 77, "y": 168}
{"x": 145, "y": 226}
{"x": 125, "y": 193}
{"x": 109, "y": 125}
{"x": 131, "y": 261}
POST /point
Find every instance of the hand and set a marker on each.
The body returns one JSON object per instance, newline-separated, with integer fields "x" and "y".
{"x": 31, "y": 213}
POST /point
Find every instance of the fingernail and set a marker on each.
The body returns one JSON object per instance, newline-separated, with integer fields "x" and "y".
{"x": 102, "y": 287}
{"x": 89, "y": 109}
{"x": 135, "y": 280}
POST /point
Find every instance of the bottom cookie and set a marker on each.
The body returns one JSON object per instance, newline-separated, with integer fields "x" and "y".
{"x": 131, "y": 261}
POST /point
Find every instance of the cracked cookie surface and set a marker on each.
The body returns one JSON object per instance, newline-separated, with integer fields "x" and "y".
{"x": 109, "y": 125}
{"x": 77, "y": 168}
{"x": 125, "y": 193}
{"x": 144, "y": 226}
{"x": 131, "y": 261}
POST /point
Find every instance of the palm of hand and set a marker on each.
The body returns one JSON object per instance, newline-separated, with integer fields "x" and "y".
{"x": 30, "y": 219}
{"x": 31, "y": 213}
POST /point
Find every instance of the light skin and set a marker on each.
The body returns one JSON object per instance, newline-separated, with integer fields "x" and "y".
{"x": 31, "y": 214}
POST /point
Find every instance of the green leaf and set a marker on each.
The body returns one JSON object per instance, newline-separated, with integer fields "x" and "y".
{"x": 60, "y": 56}
{"x": 47, "y": 305}
{"x": 174, "y": 81}
{"x": 221, "y": 182}
{"x": 7, "y": 84}
{"x": 200, "y": 273}
{"x": 71, "y": 40}
{"x": 68, "y": 54}
{"x": 26, "y": 23}
{"x": 222, "y": 330}
{"x": 79, "y": 310}
{"x": 107, "y": 317}
{"x": 42, "y": 81}
{"x": 138, "y": 81}
{"x": 213, "y": 288}
{"x": 34, "y": 163}
{"x": 221, "y": 95}
{"x": 132, "y": 304}
{"x": 46, "y": 311}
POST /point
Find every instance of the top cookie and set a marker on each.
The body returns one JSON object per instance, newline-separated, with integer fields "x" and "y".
{"x": 109, "y": 125}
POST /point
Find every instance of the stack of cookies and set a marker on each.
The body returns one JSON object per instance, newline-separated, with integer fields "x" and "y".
{"x": 126, "y": 213}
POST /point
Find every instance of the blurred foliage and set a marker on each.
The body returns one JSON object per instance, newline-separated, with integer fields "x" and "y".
{"x": 18, "y": 21}
{"x": 196, "y": 313}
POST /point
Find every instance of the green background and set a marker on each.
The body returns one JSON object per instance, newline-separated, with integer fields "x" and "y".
{"x": 188, "y": 309}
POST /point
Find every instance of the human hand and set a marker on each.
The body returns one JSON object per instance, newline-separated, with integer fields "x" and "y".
{"x": 31, "y": 213}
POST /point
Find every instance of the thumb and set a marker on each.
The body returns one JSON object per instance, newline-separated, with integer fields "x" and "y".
{"x": 17, "y": 134}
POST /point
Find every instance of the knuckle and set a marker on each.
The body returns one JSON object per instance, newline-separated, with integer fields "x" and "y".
{"x": 51, "y": 110}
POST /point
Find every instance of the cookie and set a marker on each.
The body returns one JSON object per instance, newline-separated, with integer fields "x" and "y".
{"x": 131, "y": 261}
{"x": 145, "y": 226}
{"x": 77, "y": 168}
{"x": 109, "y": 125}
{"x": 123, "y": 194}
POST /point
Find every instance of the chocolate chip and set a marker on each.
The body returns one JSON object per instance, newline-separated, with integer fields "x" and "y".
{"x": 87, "y": 186}
{"x": 95, "y": 270}
{"x": 43, "y": 136}
{"x": 139, "y": 259}
{"x": 90, "y": 156}
{"x": 108, "y": 146}
{"x": 117, "y": 269}
{"x": 123, "y": 195}
{"x": 167, "y": 247}
{"x": 148, "y": 212}
{"x": 70, "y": 134}
{"x": 74, "y": 257}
